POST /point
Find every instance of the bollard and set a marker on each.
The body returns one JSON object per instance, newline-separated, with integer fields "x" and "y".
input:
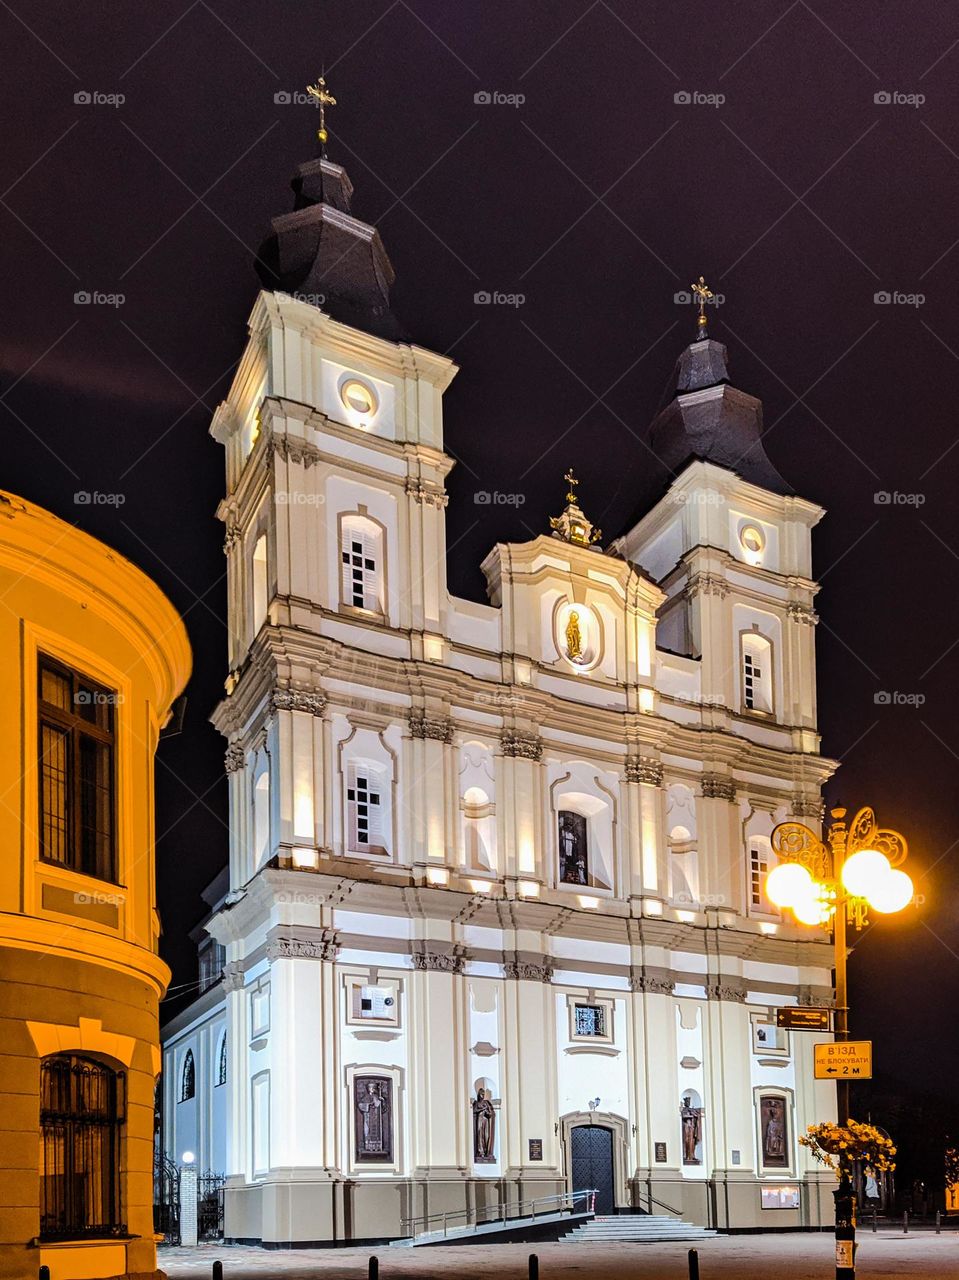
{"x": 533, "y": 1267}
{"x": 44, "y": 1272}
{"x": 874, "y": 1217}
{"x": 905, "y": 1222}
{"x": 218, "y": 1270}
{"x": 693, "y": 1264}
{"x": 374, "y": 1269}
{"x": 938, "y": 1221}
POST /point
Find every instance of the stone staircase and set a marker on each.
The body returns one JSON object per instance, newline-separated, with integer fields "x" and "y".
{"x": 637, "y": 1228}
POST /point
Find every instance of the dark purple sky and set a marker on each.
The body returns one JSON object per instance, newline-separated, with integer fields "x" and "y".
{"x": 799, "y": 196}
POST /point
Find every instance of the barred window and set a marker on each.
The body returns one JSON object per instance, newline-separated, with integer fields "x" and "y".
{"x": 188, "y": 1078}
{"x": 81, "y": 1110}
{"x": 589, "y": 1020}
{"x": 76, "y": 767}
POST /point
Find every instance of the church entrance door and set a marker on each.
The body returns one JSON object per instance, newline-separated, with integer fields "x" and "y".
{"x": 591, "y": 1163}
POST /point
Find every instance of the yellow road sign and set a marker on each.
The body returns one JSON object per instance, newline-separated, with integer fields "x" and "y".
{"x": 844, "y": 1060}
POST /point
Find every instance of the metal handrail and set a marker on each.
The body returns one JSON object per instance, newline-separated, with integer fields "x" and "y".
{"x": 662, "y": 1204}
{"x": 501, "y": 1210}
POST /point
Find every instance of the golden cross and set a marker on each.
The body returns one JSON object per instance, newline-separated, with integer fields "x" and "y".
{"x": 572, "y": 482}
{"x": 323, "y": 99}
{"x": 703, "y": 292}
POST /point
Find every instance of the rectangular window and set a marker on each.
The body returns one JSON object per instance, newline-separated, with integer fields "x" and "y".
{"x": 76, "y": 770}
{"x": 589, "y": 1020}
{"x": 365, "y": 801}
{"x": 751, "y": 678}
{"x": 758, "y": 867}
{"x": 360, "y": 569}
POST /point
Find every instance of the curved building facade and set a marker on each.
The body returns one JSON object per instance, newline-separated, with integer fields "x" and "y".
{"x": 93, "y": 657}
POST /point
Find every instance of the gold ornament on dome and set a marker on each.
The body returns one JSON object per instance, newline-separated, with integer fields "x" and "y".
{"x": 703, "y": 294}
{"x": 573, "y": 526}
{"x": 323, "y": 99}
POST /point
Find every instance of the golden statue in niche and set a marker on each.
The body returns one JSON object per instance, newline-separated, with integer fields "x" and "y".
{"x": 574, "y": 637}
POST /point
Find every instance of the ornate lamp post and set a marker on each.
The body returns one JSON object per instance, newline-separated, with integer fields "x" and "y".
{"x": 834, "y": 883}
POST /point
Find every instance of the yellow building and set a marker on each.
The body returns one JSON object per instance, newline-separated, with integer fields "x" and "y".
{"x": 93, "y": 656}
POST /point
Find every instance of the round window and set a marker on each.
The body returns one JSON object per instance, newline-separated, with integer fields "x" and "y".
{"x": 752, "y": 538}
{"x": 359, "y": 397}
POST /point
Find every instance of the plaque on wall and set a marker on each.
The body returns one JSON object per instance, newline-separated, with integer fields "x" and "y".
{"x": 536, "y": 1148}
{"x": 659, "y": 1152}
{"x": 373, "y": 1118}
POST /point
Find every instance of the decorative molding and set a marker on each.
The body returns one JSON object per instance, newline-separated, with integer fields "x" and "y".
{"x": 710, "y": 584}
{"x": 298, "y": 700}
{"x": 720, "y": 991}
{"x": 651, "y": 984}
{"x": 291, "y": 449}
{"x": 423, "y": 491}
{"x": 689, "y": 1063}
{"x": 324, "y": 945}
{"x": 815, "y": 998}
{"x": 526, "y": 746}
{"x": 438, "y": 961}
{"x": 234, "y": 758}
{"x": 531, "y": 972}
{"x": 644, "y": 769}
{"x": 234, "y": 533}
{"x": 808, "y": 807}
{"x": 799, "y": 612}
{"x": 439, "y": 728}
{"x": 233, "y": 977}
{"x": 483, "y": 1049}
{"x": 718, "y": 787}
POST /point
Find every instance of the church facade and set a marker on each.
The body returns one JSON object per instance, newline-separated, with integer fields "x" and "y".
{"x": 495, "y": 927}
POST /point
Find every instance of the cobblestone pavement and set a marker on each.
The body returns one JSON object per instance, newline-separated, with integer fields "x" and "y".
{"x": 768, "y": 1257}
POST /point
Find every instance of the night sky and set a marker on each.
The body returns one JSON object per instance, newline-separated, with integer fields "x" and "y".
{"x": 784, "y": 181}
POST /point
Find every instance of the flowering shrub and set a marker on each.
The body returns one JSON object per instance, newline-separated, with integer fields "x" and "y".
{"x": 837, "y": 1146}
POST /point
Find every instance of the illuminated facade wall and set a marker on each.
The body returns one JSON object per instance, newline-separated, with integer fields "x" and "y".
{"x": 93, "y": 656}
{"x": 507, "y": 854}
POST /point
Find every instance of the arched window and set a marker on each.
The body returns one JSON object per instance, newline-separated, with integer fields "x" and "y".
{"x": 760, "y": 864}
{"x": 573, "y": 847}
{"x": 362, "y": 566}
{"x": 221, "y": 1061}
{"x": 259, "y": 573}
{"x": 757, "y": 672}
{"x": 187, "y": 1077}
{"x": 80, "y": 1115}
{"x": 261, "y": 819}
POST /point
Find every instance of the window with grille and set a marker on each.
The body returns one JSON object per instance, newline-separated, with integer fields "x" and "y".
{"x": 188, "y": 1078}
{"x": 76, "y": 771}
{"x": 589, "y": 1020}
{"x": 221, "y": 1061}
{"x": 365, "y": 801}
{"x": 362, "y": 568}
{"x": 81, "y": 1110}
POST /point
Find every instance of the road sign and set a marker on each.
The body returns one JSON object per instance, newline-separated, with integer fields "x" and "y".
{"x": 803, "y": 1018}
{"x": 844, "y": 1060}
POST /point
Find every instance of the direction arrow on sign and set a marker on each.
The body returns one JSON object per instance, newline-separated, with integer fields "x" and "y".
{"x": 844, "y": 1060}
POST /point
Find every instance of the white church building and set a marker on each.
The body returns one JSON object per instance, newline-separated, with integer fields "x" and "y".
{"x": 495, "y": 924}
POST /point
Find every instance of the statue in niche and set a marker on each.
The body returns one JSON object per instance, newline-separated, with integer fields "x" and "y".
{"x": 573, "y": 856}
{"x": 692, "y": 1118}
{"x": 484, "y": 1128}
{"x": 373, "y": 1118}
{"x": 574, "y": 637}
{"x": 772, "y": 1119}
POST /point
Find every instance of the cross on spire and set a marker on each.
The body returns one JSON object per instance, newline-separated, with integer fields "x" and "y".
{"x": 323, "y": 99}
{"x": 702, "y": 293}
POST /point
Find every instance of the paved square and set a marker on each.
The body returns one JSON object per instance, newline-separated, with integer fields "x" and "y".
{"x": 766, "y": 1257}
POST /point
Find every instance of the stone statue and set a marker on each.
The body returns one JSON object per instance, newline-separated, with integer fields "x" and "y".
{"x": 692, "y": 1118}
{"x": 484, "y": 1128}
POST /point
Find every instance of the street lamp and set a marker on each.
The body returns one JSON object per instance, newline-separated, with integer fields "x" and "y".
{"x": 836, "y": 882}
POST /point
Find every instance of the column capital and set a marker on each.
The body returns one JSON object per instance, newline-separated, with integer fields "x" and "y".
{"x": 717, "y": 786}
{"x": 439, "y": 728}
{"x": 644, "y": 769}
{"x": 525, "y": 746}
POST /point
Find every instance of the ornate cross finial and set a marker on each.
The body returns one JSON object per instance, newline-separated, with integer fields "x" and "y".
{"x": 703, "y": 293}
{"x": 572, "y": 525}
{"x": 323, "y": 99}
{"x": 572, "y": 482}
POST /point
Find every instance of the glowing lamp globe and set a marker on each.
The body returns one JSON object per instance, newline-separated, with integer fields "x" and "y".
{"x": 892, "y": 893}
{"x": 808, "y": 911}
{"x": 789, "y": 883}
{"x": 864, "y": 872}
